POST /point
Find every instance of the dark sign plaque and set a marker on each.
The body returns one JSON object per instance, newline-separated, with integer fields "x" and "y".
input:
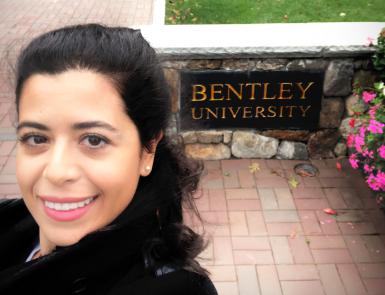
{"x": 258, "y": 100}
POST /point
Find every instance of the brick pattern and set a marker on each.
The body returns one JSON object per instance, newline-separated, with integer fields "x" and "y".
{"x": 275, "y": 239}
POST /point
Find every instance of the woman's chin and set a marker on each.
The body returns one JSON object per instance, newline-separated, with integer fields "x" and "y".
{"x": 62, "y": 238}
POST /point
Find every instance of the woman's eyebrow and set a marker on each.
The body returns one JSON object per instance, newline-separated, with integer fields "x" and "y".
{"x": 35, "y": 125}
{"x": 75, "y": 126}
{"x": 92, "y": 124}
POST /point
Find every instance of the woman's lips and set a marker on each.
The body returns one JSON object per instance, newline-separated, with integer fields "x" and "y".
{"x": 67, "y": 209}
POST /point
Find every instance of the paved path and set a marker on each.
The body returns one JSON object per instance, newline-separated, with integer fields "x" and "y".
{"x": 265, "y": 236}
{"x": 270, "y": 238}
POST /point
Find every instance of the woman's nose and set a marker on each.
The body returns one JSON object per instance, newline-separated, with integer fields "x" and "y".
{"x": 61, "y": 166}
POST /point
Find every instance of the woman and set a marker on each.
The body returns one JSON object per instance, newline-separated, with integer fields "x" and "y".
{"x": 102, "y": 185}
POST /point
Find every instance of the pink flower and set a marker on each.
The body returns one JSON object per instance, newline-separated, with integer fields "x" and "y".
{"x": 362, "y": 131}
{"x": 353, "y": 161}
{"x": 381, "y": 151}
{"x": 372, "y": 182}
{"x": 359, "y": 142}
{"x": 376, "y": 127}
{"x": 350, "y": 140}
{"x": 376, "y": 182}
{"x": 372, "y": 112}
{"x": 368, "y": 153}
{"x": 381, "y": 179}
{"x": 368, "y": 169}
{"x": 368, "y": 96}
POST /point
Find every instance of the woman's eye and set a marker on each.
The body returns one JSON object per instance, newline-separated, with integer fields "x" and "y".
{"x": 33, "y": 139}
{"x": 95, "y": 141}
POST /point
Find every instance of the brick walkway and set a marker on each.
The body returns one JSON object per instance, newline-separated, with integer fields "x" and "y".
{"x": 265, "y": 236}
{"x": 270, "y": 238}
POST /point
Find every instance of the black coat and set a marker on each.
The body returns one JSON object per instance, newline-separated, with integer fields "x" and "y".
{"x": 104, "y": 262}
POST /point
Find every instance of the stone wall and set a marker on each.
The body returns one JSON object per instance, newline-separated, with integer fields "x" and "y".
{"x": 326, "y": 142}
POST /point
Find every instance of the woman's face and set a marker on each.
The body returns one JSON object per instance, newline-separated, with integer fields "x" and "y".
{"x": 79, "y": 156}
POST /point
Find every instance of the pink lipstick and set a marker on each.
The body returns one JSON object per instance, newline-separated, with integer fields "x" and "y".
{"x": 67, "y": 209}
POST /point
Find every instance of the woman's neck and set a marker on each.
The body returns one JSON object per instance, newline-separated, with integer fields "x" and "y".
{"x": 46, "y": 246}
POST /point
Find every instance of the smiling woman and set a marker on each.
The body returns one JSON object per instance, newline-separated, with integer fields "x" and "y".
{"x": 103, "y": 187}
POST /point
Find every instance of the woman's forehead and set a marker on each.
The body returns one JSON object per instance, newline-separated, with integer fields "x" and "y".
{"x": 71, "y": 90}
{"x": 80, "y": 81}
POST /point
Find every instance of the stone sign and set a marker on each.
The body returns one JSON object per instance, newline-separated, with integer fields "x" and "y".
{"x": 250, "y": 99}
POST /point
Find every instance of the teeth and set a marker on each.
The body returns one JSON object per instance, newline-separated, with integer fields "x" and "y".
{"x": 67, "y": 206}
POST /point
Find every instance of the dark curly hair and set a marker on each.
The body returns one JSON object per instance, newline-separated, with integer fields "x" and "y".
{"x": 126, "y": 58}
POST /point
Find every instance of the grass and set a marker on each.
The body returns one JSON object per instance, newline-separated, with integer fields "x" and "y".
{"x": 272, "y": 11}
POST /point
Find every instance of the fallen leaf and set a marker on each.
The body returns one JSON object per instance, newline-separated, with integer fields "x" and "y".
{"x": 273, "y": 171}
{"x": 226, "y": 173}
{"x": 307, "y": 241}
{"x": 293, "y": 182}
{"x": 304, "y": 174}
{"x": 254, "y": 168}
{"x": 330, "y": 211}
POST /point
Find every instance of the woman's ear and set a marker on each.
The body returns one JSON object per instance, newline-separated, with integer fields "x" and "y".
{"x": 147, "y": 159}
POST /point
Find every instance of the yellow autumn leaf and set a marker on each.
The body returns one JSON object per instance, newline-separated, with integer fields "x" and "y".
{"x": 293, "y": 182}
{"x": 254, "y": 167}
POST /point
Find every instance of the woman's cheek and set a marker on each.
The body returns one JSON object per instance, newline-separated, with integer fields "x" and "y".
{"x": 27, "y": 172}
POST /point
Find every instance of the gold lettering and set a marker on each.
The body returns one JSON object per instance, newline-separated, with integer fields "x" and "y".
{"x": 202, "y": 92}
{"x": 209, "y": 111}
{"x": 282, "y": 90}
{"x": 280, "y": 111}
{"x": 223, "y": 113}
{"x": 265, "y": 90}
{"x": 304, "y": 90}
{"x": 259, "y": 111}
{"x": 213, "y": 92}
{"x": 252, "y": 96}
{"x": 248, "y": 111}
{"x": 291, "y": 110}
{"x": 194, "y": 116}
{"x": 270, "y": 109}
{"x": 232, "y": 112}
{"x": 238, "y": 94}
{"x": 304, "y": 111}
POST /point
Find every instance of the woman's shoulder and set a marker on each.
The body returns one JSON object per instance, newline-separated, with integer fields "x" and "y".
{"x": 174, "y": 282}
{"x": 12, "y": 211}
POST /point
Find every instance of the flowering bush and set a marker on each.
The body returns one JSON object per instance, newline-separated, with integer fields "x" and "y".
{"x": 367, "y": 139}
